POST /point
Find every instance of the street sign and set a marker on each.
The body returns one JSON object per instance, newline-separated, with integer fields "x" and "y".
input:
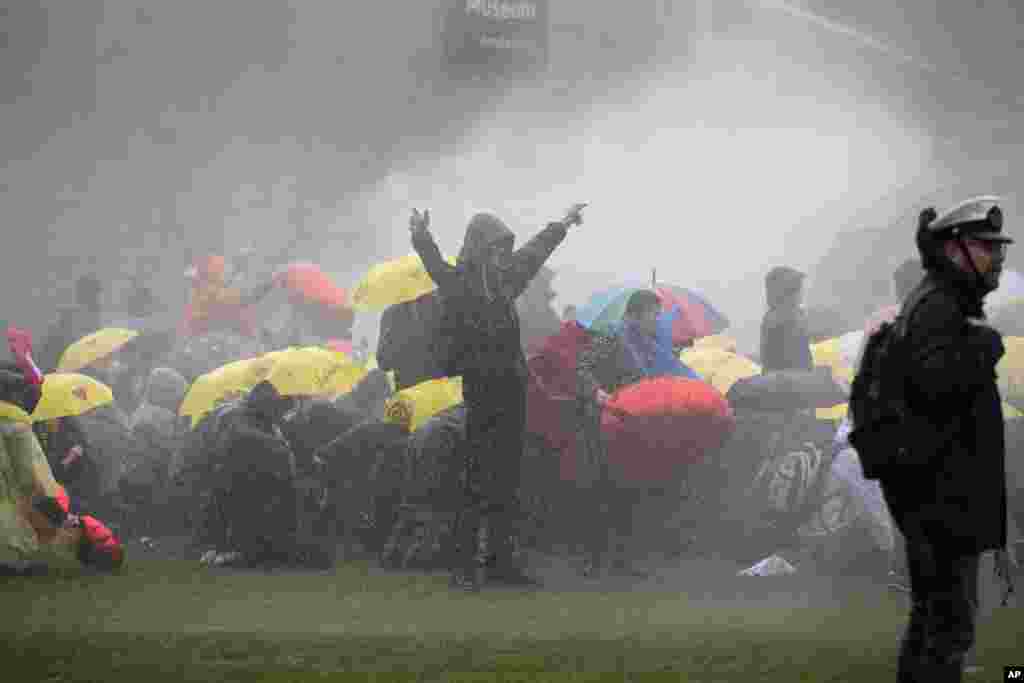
{"x": 485, "y": 38}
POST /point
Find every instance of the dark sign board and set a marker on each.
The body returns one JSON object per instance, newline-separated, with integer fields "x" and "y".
{"x": 496, "y": 36}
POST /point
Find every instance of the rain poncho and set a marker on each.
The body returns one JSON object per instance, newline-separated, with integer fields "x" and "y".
{"x": 25, "y": 475}
{"x": 865, "y": 495}
{"x": 655, "y": 356}
{"x": 481, "y": 320}
{"x": 215, "y": 305}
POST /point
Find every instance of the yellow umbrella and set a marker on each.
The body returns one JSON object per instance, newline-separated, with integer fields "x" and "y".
{"x": 93, "y": 347}
{"x": 1010, "y": 371}
{"x": 392, "y": 282}
{"x": 9, "y": 411}
{"x": 67, "y": 393}
{"x": 719, "y": 368}
{"x": 225, "y": 383}
{"x": 417, "y": 404}
{"x": 834, "y": 414}
{"x": 314, "y": 371}
{"x": 716, "y": 341}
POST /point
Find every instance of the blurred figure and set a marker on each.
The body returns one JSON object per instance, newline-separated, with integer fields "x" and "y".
{"x": 215, "y": 305}
{"x": 73, "y": 322}
{"x": 538, "y": 319}
{"x": 569, "y": 313}
{"x": 482, "y": 324}
{"x": 256, "y": 491}
{"x": 785, "y": 343}
{"x": 139, "y": 302}
{"x": 641, "y": 349}
{"x": 162, "y": 432}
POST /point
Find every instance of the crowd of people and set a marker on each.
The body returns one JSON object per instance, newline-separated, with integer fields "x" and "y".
{"x": 268, "y": 479}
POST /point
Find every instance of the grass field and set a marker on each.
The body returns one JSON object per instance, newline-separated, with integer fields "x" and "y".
{"x": 169, "y": 620}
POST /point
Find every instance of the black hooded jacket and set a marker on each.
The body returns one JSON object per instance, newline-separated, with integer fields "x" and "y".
{"x": 959, "y": 500}
{"x": 480, "y": 318}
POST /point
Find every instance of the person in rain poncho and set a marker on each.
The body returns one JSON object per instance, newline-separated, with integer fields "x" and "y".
{"x": 482, "y": 325}
{"x": 785, "y": 343}
{"x": 641, "y": 348}
{"x": 216, "y": 305}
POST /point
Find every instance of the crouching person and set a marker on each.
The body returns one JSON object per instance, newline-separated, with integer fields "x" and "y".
{"x": 37, "y": 527}
{"x": 256, "y": 492}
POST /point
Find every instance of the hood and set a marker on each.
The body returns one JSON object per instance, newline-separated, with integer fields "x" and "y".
{"x": 781, "y": 283}
{"x": 166, "y": 389}
{"x": 484, "y": 231}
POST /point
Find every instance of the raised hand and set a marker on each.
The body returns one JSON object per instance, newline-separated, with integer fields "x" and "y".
{"x": 574, "y": 215}
{"x": 419, "y": 223}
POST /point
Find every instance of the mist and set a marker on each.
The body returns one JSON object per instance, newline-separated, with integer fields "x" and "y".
{"x": 707, "y": 173}
{"x": 707, "y": 147}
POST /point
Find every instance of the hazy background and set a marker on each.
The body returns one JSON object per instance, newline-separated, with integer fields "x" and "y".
{"x": 711, "y": 144}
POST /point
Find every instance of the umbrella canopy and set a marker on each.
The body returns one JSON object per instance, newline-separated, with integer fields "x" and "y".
{"x": 719, "y": 368}
{"x": 69, "y": 394}
{"x": 417, "y": 404}
{"x": 307, "y": 371}
{"x": 223, "y": 384}
{"x": 157, "y": 336}
{"x": 393, "y": 282}
{"x": 658, "y": 426}
{"x": 314, "y": 371}
{"x": 94, "y": 347}
{"x": 604, "y": 311}
{"x": 716, "y": 341}
{"x": 309, "y": 282}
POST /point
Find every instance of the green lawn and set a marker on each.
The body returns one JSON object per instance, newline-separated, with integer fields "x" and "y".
{"x": 172, "y": 621}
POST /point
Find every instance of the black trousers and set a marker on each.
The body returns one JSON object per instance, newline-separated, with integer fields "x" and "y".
{"x": 492, "y": 452}
{"x": 944, "y": 605}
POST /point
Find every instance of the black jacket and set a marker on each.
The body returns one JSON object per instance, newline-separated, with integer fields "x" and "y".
{"x": 959, "y": 499}
{"x": 785, "y": 342}
{"x": 480, "y": 319}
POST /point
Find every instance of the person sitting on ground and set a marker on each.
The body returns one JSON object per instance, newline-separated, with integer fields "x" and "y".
{"x": 256, "y": 488}
{"x": 642, "y": 348}
{"x": 157, "y": 425}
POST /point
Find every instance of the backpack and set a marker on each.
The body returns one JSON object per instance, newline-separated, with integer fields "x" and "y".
{"x": 411, "y": 341}
{"x": 877, "y": 405}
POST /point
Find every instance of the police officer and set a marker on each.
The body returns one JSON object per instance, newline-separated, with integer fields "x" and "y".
{"x": 951, "y": 505}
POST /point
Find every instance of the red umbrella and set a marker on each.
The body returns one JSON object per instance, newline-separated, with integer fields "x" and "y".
{"x": 657, "y": 426}
{"x": 308, "y": 281}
